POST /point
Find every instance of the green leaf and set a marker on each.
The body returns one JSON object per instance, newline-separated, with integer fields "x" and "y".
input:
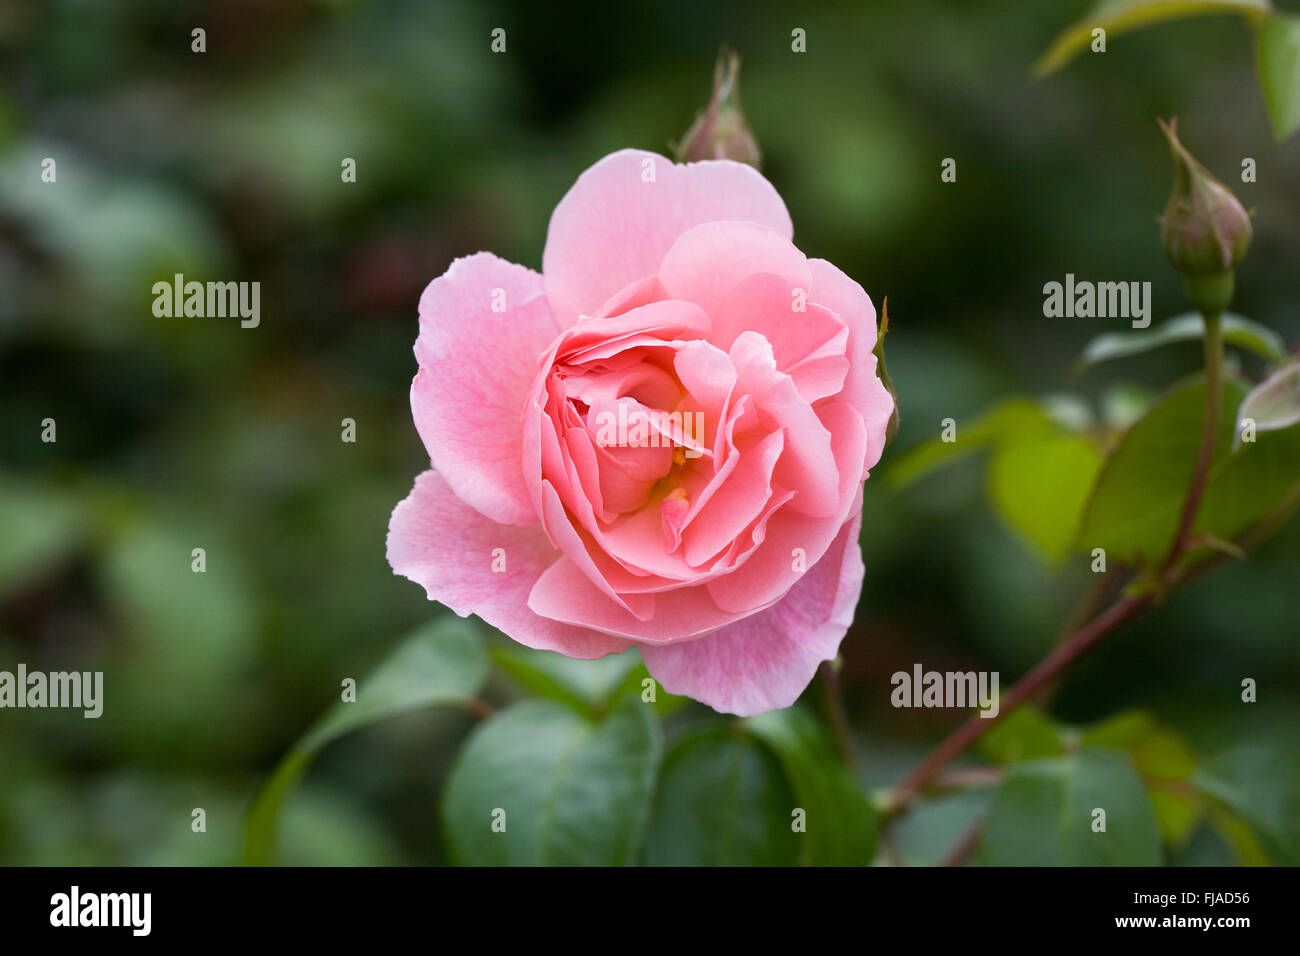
{"x": 1260, "y": 786}
{"x": 1005, "y": 422}
{"x": 1043, "y": 815}
{"x": 1119, "y": 16}
{"x": 1039, "y": 486}
{"x": 587, "y": 686}
{"x": 722, "y": 800}
{"x": 1024, "y": 734}
{"x": 1164, "y": 762}
{"x": 841, "y": 822}
{"x": 1163, "y": 756}
{"x": 442, "y": 663}
{"x": 1190, "y": 327}
{"x": 1135, "y": 505}
{"x": 1277, "y": 56}
{"x": 1238, "y": 836}
{"x": 1123, "y": 405}
{"x": 1275, "y": 402}
{"x": 1041, "y": 471}
{"x": 568, "y": 790}
{"x": 638, "y": 681}
{"x": 1122, "y": 732}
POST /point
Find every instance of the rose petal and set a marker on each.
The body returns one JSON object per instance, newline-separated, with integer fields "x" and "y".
{"x": 808, "y": 345}
{"x": 862, "y": 388}
{"x": 563, "y": 593}
{"x": 444, "y": 545}
{"x": 808, "y": 466}
{"x": 467, "y": 410}
{"x": 737, "y": 503}
{"x": 642, "y": 292}
{"x": 708, "y": 261}
{"x": 769, "y": 571}
{"x": 613, "y": 228}
{"x": 600, "y": 338}
{"x": 765, "y": 661}
{"x": 583, "y": 558}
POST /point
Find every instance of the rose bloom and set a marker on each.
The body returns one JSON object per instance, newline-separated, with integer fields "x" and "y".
{"x": 660, "y": 441}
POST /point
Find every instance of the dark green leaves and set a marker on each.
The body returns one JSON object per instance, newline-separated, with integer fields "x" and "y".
{"x": 840, "y": 823}
{"x": 573, "y": 778}
{"x": 1134, "y": 508}
{"x": 1238, "y": 331}
{"x": 1051, "y": 485}
{"x": 1151, "y": 785}
{"x": 722, "y": 801}
{"x": 540, "y": 784}
{"x": 1164, "y": 763}
{"x": 999, "y": 426}
{"x": 443, "y": 663}
{"x": 586, "y": 686}
{"x": 1260, "y": 787}
{"x": 589, "y": 687}
{"x": 572, "y": 788}
{"x": 1277, "y": 57}
{"x": 1024, "y": 734}
{"x": 1039, "y": 475}
{"x": 1045, "y": 814}
{"x": 1039, "y": 488}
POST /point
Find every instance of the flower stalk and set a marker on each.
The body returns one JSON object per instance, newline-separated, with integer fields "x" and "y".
{"x": 1209, "y": 438}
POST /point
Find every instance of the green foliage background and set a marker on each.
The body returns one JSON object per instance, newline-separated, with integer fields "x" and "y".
{"x": 175, "y": 434}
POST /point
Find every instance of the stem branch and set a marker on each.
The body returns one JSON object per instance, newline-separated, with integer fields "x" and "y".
{"x": 1209, "y": 438}
{"x": 1088, "y": 636}
{"x": 1073, "y": 648}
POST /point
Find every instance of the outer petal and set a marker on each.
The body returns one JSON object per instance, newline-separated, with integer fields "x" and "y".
{"x": 613, "y": 228}
{"x": 764, "y": 662}
{"x": 566, "y": 594}
{"x": 442, "y": 544}
{"x": 863, "y": 388}
{"x": 476, "y": 369}
{"x": 706, "y": 262}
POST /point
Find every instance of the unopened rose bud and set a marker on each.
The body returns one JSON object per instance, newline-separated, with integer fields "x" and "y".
{"x": 1205, "y": 230}
{"x": 721, "y": 131}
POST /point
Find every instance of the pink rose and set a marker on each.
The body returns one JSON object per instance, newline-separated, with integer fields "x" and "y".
{"x": 659, "y": 441}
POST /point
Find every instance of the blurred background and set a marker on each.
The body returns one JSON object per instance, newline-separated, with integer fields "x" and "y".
{"x": 181, "y": 433}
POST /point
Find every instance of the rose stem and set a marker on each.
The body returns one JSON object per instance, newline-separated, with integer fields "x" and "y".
{"x": 1209, "y": 437}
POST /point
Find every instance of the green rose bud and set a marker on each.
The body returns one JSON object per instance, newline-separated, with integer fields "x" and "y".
{"x": 1205, "y": 230}
{"x": 721, "y": 131}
